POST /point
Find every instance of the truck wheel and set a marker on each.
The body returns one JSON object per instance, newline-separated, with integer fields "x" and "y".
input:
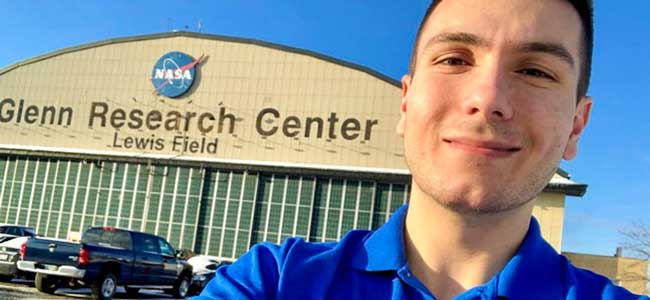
{"x": 44, "y": 284}
{"x": 181, "y": 286}
{"x": 104, "y": 287}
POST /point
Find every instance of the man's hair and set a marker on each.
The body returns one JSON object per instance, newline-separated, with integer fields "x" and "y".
{"x": 584, "y": 9}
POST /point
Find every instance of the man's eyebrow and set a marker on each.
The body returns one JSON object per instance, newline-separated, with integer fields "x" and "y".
{"x": 550, "y": 48}
{"x": 553, "y": 49}
{"x": 455, "y": 37}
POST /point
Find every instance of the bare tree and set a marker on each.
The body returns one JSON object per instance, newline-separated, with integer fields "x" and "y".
{"x": 637, "y": 245}
{"x": 637, "y": 240}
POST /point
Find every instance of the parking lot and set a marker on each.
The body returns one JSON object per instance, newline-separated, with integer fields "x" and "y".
{"x": 24, "y": 290}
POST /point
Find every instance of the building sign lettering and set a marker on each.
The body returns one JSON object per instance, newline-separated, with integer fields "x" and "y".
{"x": 269, "y": 121}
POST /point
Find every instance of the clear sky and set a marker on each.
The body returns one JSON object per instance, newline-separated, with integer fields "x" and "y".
{"x": 613, "y": 159}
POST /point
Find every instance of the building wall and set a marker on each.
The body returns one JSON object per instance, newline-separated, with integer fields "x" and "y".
{"x": 235, "y": 83}
{"x": 549, "y": 211}
{"x": 630, "y": 273}
{"x": 633, "y": 275}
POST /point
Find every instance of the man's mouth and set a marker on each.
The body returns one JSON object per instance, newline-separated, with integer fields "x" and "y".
{"x": 493, "y": 148}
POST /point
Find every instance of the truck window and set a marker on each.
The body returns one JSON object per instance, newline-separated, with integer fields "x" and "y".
{"x": 107, "y": 238}
{"x": 92, "y": 236}
{"x": 122, "y": 239}
{"x": 10, "y": 230}
{"x": 30, "y": 232}
{"x": 165, "y": 248}
{"x": 146, "y": 243}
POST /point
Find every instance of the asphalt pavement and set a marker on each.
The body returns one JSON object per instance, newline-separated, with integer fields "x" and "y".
{"x": 25, "y": 290}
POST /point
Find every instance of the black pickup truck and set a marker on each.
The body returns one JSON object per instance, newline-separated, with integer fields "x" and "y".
{"x": 105, "y": 258}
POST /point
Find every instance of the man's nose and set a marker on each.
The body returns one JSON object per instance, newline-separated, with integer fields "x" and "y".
{"x": 489, "y": 95}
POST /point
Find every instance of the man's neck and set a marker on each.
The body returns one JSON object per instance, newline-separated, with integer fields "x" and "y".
{"x": 451, "y": 253}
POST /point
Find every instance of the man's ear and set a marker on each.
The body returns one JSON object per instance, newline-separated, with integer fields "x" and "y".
{"x": 580, "y": 120}
{"x": 406, "y": 82}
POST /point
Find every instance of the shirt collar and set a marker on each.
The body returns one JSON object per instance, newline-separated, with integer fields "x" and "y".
{"x": 383, "y": 250}
{"x": 535, "y": 269}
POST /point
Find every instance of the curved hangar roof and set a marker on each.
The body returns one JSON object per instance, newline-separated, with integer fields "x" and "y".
{"x": 248, "y": 102}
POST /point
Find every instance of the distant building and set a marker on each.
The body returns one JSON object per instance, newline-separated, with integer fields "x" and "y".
{"x": 631, "y": 273}
{"x": 215, "y": 143}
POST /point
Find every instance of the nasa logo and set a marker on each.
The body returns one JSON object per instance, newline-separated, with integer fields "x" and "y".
{"x": 174, "y": 74}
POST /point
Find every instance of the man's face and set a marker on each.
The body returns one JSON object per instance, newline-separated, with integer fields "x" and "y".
{"x": 490, "y": 109}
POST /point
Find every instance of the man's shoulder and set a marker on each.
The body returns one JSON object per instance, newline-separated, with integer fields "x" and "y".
{"x": 296, "y": 267}
{"x": 297, "y": 249}
{"x": 586, "y": 284}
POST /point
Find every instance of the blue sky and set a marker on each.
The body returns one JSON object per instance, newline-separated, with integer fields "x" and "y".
{"x": 613, "y": 157}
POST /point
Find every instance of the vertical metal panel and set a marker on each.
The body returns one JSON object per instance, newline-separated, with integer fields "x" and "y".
{"x": 11, "y": 192}
{"x": 125, "y": 179}
{"x": 162, "y": 197}
{"x": 214, "y": 200}
{"x": 147, "y": 197}
{"x": 327, "y": 209}
{"x": 40, "y": 205}
{"x": 134, "y": 198}
{"x": 398, "y": 197}
{"x": 232, "y": 211}
{"x": 97, "y": 198}
{"x": 33, "y": 191}
{"x": 198, "y": 209}
{"x": 372, "y": 203}
{"x": 74, "y": 197}
{"x": 174, "y": 195}
{"x": 4, "y": 182}
{"x": 241, "y": 204}
{"x": 268, "y": 209}
{"x": 23, "y": 183}
{"x": 340, "y": 225}
{"x": 284, "y": 200}
{"x": 295, "y": 216}
{"x": 22, "y": 190}
{"x": 356, "y": 206}
{"x": 311, "y": 210}
{"x": 49, "y": 210}
{"x": 250, "y": 228}
{"x": 187, "y": 200}
{"x": 63, "y": 199}
{"x": 225, "y": 214}
{"x": 388, "y": 205}
{"x": 86, "y": 197}
{"x": 110, "y": 193}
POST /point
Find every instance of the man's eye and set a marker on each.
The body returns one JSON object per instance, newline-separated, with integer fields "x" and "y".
{"x": 536, "y": 73}
{"x": 453, "y": 61}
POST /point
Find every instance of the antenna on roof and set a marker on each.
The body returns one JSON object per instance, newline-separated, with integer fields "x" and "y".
{"x": 199, "y": 25}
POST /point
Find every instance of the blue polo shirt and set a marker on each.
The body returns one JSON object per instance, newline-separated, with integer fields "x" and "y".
{"x": 372, "y": 265}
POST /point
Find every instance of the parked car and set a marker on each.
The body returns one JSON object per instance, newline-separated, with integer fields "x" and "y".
{"x": 204, "y": 268}
{"x": 105, "y": 258}
{"x": 8, "y": 232}
{"x": 9, "y": 256}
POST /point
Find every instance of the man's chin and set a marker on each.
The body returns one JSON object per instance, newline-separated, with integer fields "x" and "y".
{"x": 488, "y": 205}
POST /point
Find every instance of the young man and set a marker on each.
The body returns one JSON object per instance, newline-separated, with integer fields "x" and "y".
{"x": 496, "y": 96}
